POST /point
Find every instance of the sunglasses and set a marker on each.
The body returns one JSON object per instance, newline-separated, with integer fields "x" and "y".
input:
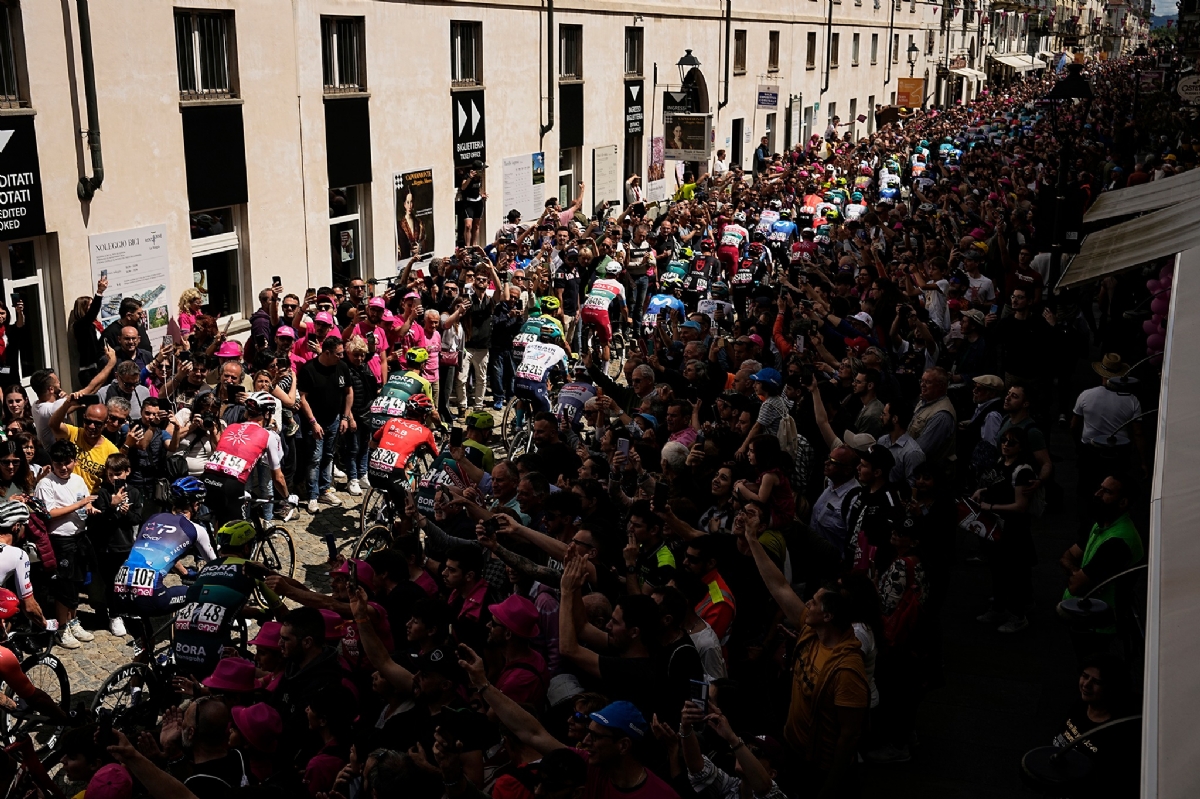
{"x": 10, "y": 462}
{"x": 93, "y": 423}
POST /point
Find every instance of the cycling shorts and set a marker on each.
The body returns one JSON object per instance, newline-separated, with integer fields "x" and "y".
{"x": 226, "y": 499}
{"x": 727, "y": 254}
{"x": 161, "y": 603}
{"x": 534, "y": 391}
{"x": 600, "y": 320}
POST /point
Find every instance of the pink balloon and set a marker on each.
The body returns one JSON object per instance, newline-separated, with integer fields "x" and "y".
{"x": 1150, "y": 327}
{"x": 1156, "y": 342}
{"x": 1165, "y": 283}
{"x": 1152, "y": 285}
{"x": 1160, "y": 305}
{"x": 1167, "y": 270}
{"x": 1157, "y": 318}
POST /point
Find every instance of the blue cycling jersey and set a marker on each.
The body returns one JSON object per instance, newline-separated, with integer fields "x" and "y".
{"x": 783, "y": 230}
{"x": 571, "y": 399}
{"x": 660, "y": 301}
{"x": 163, "y": 539}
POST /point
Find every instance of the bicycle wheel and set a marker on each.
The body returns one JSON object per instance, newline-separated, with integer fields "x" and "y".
{"x": 419, "y": 463}
{"x": 49, "y": 674}
{"x": 522, "y": 442}
{"x": 375, "y": 509}
{"x": 276, "y": 551}
{"x": 378, "y": 537}
{"x": 130, "y": 693}
{"x": 508, "y": 422}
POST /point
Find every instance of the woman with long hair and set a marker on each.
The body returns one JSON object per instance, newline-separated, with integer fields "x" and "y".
{"x": 16, "y": 404}
{"x": 190, "y": 303}
{"x": 772, "y": 487}
{"x": 16, "y": 478}
{"x": 35, "y": 454}
{"x": 88, "y": 332}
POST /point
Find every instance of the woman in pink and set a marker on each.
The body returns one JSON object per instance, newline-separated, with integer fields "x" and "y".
{"x": 372, "y": 327}
{"x": 190, "y": 302}
{"x": 431, "y": 324}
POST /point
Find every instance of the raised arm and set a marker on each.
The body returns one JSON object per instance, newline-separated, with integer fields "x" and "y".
{"x": 398, "y": 676}
{"x": 568, "y": 637}
{"x": 515, "y": 718}
{"x": 791, "y": 604}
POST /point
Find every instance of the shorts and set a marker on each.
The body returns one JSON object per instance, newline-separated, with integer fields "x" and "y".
{"x": 534, "y": 391}
{"x": 472, "y": 210}
{"x": 162, "y": 603}
{"x": 226, "y": 498}
{"x": 727, "y": 254}
{"x": 70, "y": 552}
{"x": 598, "y": 319}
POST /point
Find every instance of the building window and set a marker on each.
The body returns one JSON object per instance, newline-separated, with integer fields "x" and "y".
{"x": 203, "y": 43}
{"x": 634, "y": 47}
{"x": 832, "y": 111}
{"x": 345, "y": 232}
{"x": 342, "y": 54}
{"x": 217, "y": 259}
{"x": 835, "y": 44}
{"x": 739, "y": 52}
{"x": 570, "y": 53}
{"x": 853, "y": 119}
{"x": 570, "y": 170}
{"x": 810, "y": 51}
{"x": 466, "y": 53}
{"x": 769, "y": 132}
{"x": 870, "y": 115}
{"x": 874, "y": 47}
{"x": 773, "y": 51}
{"x": 929, "y": 43}
{"x": 854, "y": 50}
{"x": 896, "y": 48}
{"x": 13, "y": 92}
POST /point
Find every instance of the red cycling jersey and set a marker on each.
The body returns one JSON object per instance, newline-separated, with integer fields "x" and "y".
{"x": 11, "y": 673}
{"x": 396, "y": 441}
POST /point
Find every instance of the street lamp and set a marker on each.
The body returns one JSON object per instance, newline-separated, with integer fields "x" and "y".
{"x": 1070, "y": 98}
{"x": 686, "y": 65}
{"x": 913, "y": 52}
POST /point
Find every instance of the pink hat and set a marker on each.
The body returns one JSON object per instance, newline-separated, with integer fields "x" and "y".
{"x": 286, "y": 332}
{"x": 412, "y": 295}
{"x": 333, "y": 333}
{"x": 334, "y": 624}
{"x": 231, "y": 674}
{"x": 517, "y": 614}
{"x": 366, "y": 575}
{"x": 324, "y": 317}
{"x": 268, "y": 635}
{"x": 110, "y": 782}
{"x": 377, "y": 302}
{"x": 978, "y": 233}
{"x": 230, "y": 349}
{"x": 388, "y": 316}
{"x": 757, "y": 339}
{"x": 260, "y": 725}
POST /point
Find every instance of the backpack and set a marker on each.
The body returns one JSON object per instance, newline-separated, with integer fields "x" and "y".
{"x": 899, "y": 626}
{"x": 37, "y": 537}
{"x": 788, "y": 435}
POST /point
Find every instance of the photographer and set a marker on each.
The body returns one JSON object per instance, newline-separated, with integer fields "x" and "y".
{"x": 146, "y": 446}
{"x": 200, "y": 429}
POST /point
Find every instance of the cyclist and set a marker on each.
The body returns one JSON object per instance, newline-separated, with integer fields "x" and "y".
{"x": 396, "y": 441}
{"x": 394, "y": 395}
{"x": 14, "y": 563}
{"x": 216, "y": 600}
{"x": 10, "y": 667}
{"x": 241, "y": 447}
{"x": 733, "y": 237}
{"x": 574, "y": 395}
{"x": 768, "y": 217}
{"x": 475, "y": 440}
{"x": 537, "y": 363}
{"x": 783, "y": 231}
{"x": 606, "y": 296}
{"x": 163, "y": 539}
{"x": 551, "y": 309}
{"x": 667, "y": 300}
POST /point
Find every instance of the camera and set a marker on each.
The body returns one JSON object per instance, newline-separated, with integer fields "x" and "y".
{"x": 208, "y": 419}
{"x": 183, "y": 355}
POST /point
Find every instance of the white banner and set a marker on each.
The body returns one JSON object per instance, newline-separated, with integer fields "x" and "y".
{"x": 136, "y": 265}
{"x": 607, "y": 183}
{"x": 525, "y": 185}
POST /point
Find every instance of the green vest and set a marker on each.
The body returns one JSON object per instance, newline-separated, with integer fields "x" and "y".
{"x": 487, "y": 457}
{"x": 1123, "y": 529}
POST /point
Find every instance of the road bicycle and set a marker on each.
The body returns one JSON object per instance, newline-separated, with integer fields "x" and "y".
{"x": 47, "y": 672}
{"x": 377, "y": 506}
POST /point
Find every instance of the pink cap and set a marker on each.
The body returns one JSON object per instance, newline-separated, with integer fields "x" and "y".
{"x": 286, "y": 332}
{"x": 366, "y": 575}
{"x": 268, "y": 635}
{"x": 230, "y": 349}
{"x": 377, "y": 302}
{"x": 110, "y": 782}
{"x": 231, "y": 674}
{"x": 517, "y": 614}
{"x": 324, "y": 317}
{"x": 757, "y": 339}
{"x": 388, "y": 316}
{"x": 412, "y": 295}
{"x": 333, "y": 333}
{"x": 260, "y": 725}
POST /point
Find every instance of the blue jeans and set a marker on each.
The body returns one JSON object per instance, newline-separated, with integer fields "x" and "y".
{"x": 500, "y": 374}
{"x": 641, "y": 287}
{"x": 358, "y": 449}
{"x": 321, "y": 465}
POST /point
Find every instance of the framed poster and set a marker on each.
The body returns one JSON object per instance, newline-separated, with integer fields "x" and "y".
{"x": 414, "y": 216}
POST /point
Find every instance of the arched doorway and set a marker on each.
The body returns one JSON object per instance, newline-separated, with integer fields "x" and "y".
{"x": 696, "y": 88}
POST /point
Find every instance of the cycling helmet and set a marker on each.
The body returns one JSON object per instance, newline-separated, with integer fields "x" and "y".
{"x": 549, "y": 304}
{"x": 707, "y": 244}
{"x": 260, "y": 402}
{"x": 672, "y": 280}
{"x": 740, "y": 217}
{"x": 719, "y": 289}
{"x": 785, "y": 214}
{"x": 190, "y": 488}
{"x": 416, "y": 357}
{"x": 612, "y": 269}
{"x": 686, "y": 253}
{"x": 550, "y": 333}
{"x": 865, "y": 170}
{"x": 9, "y": 604}
{"x": 776, "y": 205}
{"x": 417, "y": 407}
{"x": 830, "y": 197}
{"x": 841, "y": 181}
{"x": 856, "y": 196}
{"x": 236, "y": 533}
{"x": 480, "y": 420}
{"x": 12, "y": 514}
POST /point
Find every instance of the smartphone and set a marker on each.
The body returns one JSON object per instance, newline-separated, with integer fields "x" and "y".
{"x": 491, "y": 526}
{"x": 456, "y": 436}
{"x": 623, "y": 446}
{"x": 659, "y": 503}
{"x": 698, "y": 694}
{"x": 995, "y": 309}
{"x": 15, "y": 297}
{"x": 352, "y": 569}
{"x": 104, "y": 274}
{"x": 310, "y": 290}
{"x": 104, "y": 728}
{"x": 90, "y": 399}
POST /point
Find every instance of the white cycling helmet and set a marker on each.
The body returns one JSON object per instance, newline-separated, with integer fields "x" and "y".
{"x": 612, "y": 269}
{"x": 12, "y": 514}
{"x": 260, "y": 402}
{"x": 739, "y": 217}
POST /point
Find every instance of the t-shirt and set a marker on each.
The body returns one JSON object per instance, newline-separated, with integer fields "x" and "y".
{"x": 770, "y": 412}
{"x": 42, "y": 411}
{"x": 599, "y": 786}
{"x": 56, "y": 493}
{"x": 89, "y": 462}
{"x": 812, "y": 717}
{"x": 324, "y": 388}
{"x": 980, "y": 290}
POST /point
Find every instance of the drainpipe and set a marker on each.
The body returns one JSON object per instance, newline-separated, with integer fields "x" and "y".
{"x": 829, "y": 46}
{"x": 549, "y": 126}
{"x": 88, "y": 185}
{"x": 891, "y": 27}
{"x": 728, "y": 35}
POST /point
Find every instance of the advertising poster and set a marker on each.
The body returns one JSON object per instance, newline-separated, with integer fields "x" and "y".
{"x": 136, "y": 265}
{"x": 687, "y": 137}
{"x": 656, "y": 176}
{"x": 414, "y": 217}
{"x": 524, "y": 179}
{"x": 910, "y": 92}
{"x": 21, "y": 212}
{"x": 607, "y": 185}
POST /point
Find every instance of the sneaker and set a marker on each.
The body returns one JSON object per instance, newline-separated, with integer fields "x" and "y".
{"x": 116, "y": 626}
{"x": 1014, "y": 625}
{"x": 353, "y": 489}
{"x": 66, "y": 640}
{"x": 313, "y": 507}
{"x": 889, "y": 754}
{"x": 80, "y": 634}
{"x": 994, "y": 617}
{"x": 498, "y": 405}
{"x": 338, "y": 474}
{"x": 329, "y": 498}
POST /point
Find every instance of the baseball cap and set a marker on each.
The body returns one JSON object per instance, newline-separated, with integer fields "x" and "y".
{"x": 377, "y": 302}
{"x": 879, "y": 457}
{"x": 285, "y": 332}
{"x": 323, "y": 318}
{"x": 975, "y": 316}
{"x": 440, "y": 660}
{"x": 692, "y": 325}
{"x": 756, "y": 339}
{"x": 768, "y": 375}
{"x": 366, "y": 575}
{"x": 623, "y": 717}
{"x": 865, "y": 318}
{"x": 859, "y": 442}
{"x": 110, "y": 782}
{"x": 412, "y": 295}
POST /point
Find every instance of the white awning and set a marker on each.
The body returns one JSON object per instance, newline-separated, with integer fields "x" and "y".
{"x": 1166, "y": 232}
{"x": 1047, "y": 56}
{"x": 1021, "y": 62}
{"x": 1150, "y": 196}
{"x": 967, "y": 72}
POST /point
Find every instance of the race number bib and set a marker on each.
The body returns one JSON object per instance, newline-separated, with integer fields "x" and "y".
{"x": 650, "y": 320}
{"x": 597, "y": 301}
{"x": 139, "y": 582}
{"x": 383, "y": 459}
{"x": 390, "y": 406}
{"x": 227, "y": 463}
{"x": 522, "y": 339}
{"x": 743, "y": 277}
{"x": 204, "y": 617}
{"x": 531, "y": 371}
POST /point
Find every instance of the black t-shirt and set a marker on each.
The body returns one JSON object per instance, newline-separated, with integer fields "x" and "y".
{"x": 398, "y": 603}
{"x": 558, "y": 459}
{"x": 676, "y": 665}
{"x": 1115, "y": 753}
{"x": 217, "y": 779}
{"x": 325, "y": 387}
{"x": 568, "y": 279}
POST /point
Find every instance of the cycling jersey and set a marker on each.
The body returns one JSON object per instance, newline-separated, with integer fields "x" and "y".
{"x": 657, "y": 303}
{"x": 14, "y": 676}
{"x": 211, "y": 606}
{"x": 240, "y": 448}
{"x": 539, "y": 358}
{"x": 530, "y": 331}
{"x": 734, "y": 236}
{"x": 479, "y": 454}
{"x": 782, "y": 232}
{"x": 766, "y": 219}
{"x": 445, "y": 472}
{"x": 571, "y": 399}
{"x": 803, "y": 251}
{"x": 855, "y": 210}
{"x": 394, "y": 445}
{"x": 393, "y": 397}
{"x": 162, "y": 540}
{"x": 709, "y": 309}
{"x": 14, "y": 563}
{"x": 604, "y": 291}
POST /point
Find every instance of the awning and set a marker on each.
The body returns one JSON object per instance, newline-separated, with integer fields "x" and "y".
{"x": 1146, "y": 197}
{"x": 1047, "y": 56}
{"x": 1020, "y": 61}
{"x": 1137, "y": 241}
{"x": 967, "y": 72}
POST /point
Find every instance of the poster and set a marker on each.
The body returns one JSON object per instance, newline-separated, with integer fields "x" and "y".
{"x": 910, "y": 92}
{"x": 414, "y": 216}
{"x": 674, "y": 103}
{"x": 1150, "y": 80}
{"x": 634, "y": 116}
{"x": 524, "y": 178}
{"x": 687, "y": 137}
{"x": 656, "y": 177}
{"x": 607, "y": 185}
{"x": 21, "y": 211}
{"x": 136, "y": 264}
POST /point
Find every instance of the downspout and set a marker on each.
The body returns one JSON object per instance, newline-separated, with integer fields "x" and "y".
{"x": 829, "y": 46}
{"x": 549, "y": 126}
{"x": 728, "y": 35}
{"x": 88, "y": 185}
{"x": 891, "y": 27}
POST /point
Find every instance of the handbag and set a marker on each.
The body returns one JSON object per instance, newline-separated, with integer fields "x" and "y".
{"x": 898, "y": 626}
{"x": 449, "y": 358}
{"x": 977, "y": 521}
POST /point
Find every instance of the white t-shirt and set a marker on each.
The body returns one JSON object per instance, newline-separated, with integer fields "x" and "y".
{"x": 980, "y": 289}
{"x": 15, "y": 563}
{"x": 42, "y": 411}
{"x": 56, "y": 493}
{"x": 1103, "y": 411}
{"x": 935, "y": 304}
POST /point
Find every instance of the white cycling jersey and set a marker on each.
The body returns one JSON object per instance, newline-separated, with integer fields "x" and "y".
{"x": 15, "y": 563}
